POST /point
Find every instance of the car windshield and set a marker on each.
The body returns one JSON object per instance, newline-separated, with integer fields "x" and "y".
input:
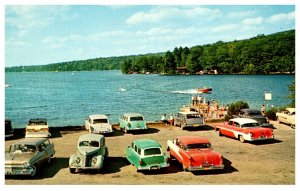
{"x": 100, "y": 121}
{"x": 23, "y": 148}
{"x": 250, "y": 125}
{"x": 89, "y": 144}
{"x": 254, "y": 113}
{"x": 37, "y": 123}
{"x": 152, "y": 151}
{"x": 197, "y": 146}
{"x": 191, "y": 116}
{"x": 137, "y": 118}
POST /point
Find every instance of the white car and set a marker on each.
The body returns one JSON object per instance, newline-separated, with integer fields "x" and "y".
{"x": 98, "y": 124}
{"x": 287, "y": 116}
{"x": 37, "y": 128}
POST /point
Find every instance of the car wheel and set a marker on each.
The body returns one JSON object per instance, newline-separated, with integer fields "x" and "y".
{"x": 241, "y": 138}
{"x": 34, "y": 168}
{"x": 72, "y": 170}
{"x": 49, "y": 160}
{"x": 220, "y": 133}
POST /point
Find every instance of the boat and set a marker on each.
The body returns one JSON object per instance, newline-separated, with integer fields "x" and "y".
{"x": 8, "y": 85}
{"x": 204, "y": 90}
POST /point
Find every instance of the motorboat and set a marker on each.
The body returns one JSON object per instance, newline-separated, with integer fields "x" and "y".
{"x": 204, "y": 90}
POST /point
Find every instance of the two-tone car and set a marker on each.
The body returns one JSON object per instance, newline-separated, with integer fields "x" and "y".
{"x": 195, "y": 153}
{"x": 244, "y": 129}
{"x": 287, "y": 116}
{"x": 98, "y": 123}
{"x": 188, "y": 119}
{"x": 37, "y": 128}
{"x": 132, "y": 121}
{"x": 91, "y": 153}
{"x": 256, "y": 115}
{"x": 26, "y": 156}
{"x": 146, "y": 154}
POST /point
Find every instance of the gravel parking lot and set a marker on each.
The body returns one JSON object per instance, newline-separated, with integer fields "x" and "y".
{"x": 261, "y": 163}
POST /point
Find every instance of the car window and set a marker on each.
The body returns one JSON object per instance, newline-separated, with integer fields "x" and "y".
{"x": 198, "y": 146}
{"x": 236, "y": 124}
{"x": 137, "y": 118}
{"x": 89, "y": 144}
{"x": 96, "y": 121}
{"x": 139, "y": 151}
{"x": 192, "y": 116}
{"x": 152, "y": 151}
{"x": 22, "y": 148}
{"x": 254, "y": 113}
{"x": 249, "y": 125}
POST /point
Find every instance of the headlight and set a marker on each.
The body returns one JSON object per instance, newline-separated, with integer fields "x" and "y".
{"x": 77, "y": 160}
{"x": 26, "y": 164}
{"x": 94, "y": 160}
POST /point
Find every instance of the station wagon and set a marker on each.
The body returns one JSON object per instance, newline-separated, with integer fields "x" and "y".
{"x": 25, "y": 156}
{"x": 287, "y": 116}
{"x": 91, "y": 152}
{"x": 37, "y": 128}
{"x": 132, "y": 121}
{"x": 146, "y": 154}
{"x": 188, "y": 119}
{"x": 98, "y": 123}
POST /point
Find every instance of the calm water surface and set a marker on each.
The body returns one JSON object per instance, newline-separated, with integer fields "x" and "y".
{"x": 67, "y": 98}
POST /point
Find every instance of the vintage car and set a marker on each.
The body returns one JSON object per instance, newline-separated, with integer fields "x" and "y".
{"x": 98, "y": 124}
{"x": 287, "y": 116}
{"x": 244, "y": 129}
{"x": 195, "y": 153}
{"x": 256, "y": 115}
{"x": 9, "y": 131}
{"x": 91, "y": 152}
{"x": 37, "y": 128}
{"x": 188, "y": 119}
{"x": 146, "y": 154}
{"x": 132, "y": 121}
{"x": 26, "y": 156}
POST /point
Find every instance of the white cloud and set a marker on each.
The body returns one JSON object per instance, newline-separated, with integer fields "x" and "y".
{"x": 242, "y": 14}
{"x": 253, "y": 21}
{"x": 13, "y": 42}
{"x": 26, "y": 17}
{"x": 160, "y": 14}
{"x": 225, "y": 27}
{"x": 282, "y": 17}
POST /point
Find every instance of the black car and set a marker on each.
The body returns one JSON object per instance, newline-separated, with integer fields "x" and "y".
{"x": 256, "y": 115}
{"x": 9, "y": 131}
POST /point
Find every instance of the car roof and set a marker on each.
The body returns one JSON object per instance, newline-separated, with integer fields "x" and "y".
{"x": 32, "y": 141}
{"x": 146, "y": 143}
{"x": 38, "y": 120}
{"x": 242, "y": 121}
{"x": 132, "y": 114}
{"x": 90, "y": 137}
{"x": 188, "y": 112}
{"x": 98, "y": 116}
{"x": 291, "y": 110}
{"x": 186, "y": 140}
{"x": 250, "y": 110}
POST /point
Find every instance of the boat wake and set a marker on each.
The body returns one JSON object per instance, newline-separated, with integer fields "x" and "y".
{"x": 190, "y": 91}
{"x": 122, "y": 90}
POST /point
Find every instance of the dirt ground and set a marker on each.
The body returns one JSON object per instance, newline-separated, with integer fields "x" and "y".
{"x": 261, "y": 163}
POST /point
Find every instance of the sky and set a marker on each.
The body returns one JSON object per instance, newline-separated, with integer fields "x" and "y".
{"x": 45, "y": 34}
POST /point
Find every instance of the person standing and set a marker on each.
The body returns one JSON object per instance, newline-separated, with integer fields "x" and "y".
{"x": 263, "y": 110}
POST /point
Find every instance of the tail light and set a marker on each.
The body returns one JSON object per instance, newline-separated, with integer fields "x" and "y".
{"x": 251, "y": 134}
{"x": 141, "y": 162}
{"x": 168, "y": 148}
{"x": 167, "y": 159}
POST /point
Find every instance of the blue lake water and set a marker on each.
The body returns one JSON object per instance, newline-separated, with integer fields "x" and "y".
{"x": 67, "y": 98}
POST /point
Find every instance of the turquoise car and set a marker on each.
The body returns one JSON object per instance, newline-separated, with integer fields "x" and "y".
{"x": 132, "y": 121}
{"x": 146, "y": 154}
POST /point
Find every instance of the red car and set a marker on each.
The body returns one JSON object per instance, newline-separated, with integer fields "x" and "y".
{"x": 195, "y": 153}
{"x": 244, "y": 129}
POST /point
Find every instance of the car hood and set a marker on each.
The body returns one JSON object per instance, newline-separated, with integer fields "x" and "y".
{"x": 18, "y": 158}
{"x": 88, "y": 150}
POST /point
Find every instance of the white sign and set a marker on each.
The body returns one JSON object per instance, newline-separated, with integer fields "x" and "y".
{"x": 268, "y": 96}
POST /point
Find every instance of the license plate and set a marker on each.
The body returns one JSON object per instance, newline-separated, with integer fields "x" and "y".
{"x": 154, "y": 168}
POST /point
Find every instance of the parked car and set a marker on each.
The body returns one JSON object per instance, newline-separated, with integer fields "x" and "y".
{"x": 98, "y": 124}
{"x": 26, "y": 156}
{"x": 195, "y": 153}
{"x": 287, "y": 116}
{"x": 146, "y": 154}
{"x": 37, "y": 128}
{"x": 91, "y": 153}
{"x": 256, "y": 115}
{"x": 188, "y": 119}
{"x": 9, "y": 131}
{"x": 244, "y": 129}
{"x": 132, "y": 121}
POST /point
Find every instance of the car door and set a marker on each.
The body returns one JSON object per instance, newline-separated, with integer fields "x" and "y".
{"x": 228, "y": 129}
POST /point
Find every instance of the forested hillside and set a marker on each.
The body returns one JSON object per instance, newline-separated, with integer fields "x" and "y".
{"x": 262, "y": 54}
